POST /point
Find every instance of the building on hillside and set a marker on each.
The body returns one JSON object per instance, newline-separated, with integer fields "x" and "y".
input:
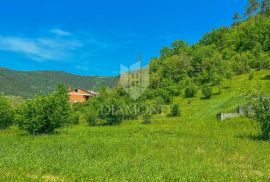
{"x": 80, "y": 95}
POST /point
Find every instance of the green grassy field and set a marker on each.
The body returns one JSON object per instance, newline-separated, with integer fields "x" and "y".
{"x": 193, "y": 147}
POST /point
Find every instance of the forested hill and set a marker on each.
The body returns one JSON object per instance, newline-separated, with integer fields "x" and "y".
{"x": 225, "y": 52}
{"x": 29, "y": 83}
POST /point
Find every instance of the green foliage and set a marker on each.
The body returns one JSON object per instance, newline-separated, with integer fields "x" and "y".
{"x": 265, "y": 7}
{"x": 44, "y": 114}
{"x": 261, "y": 109}
{"x": 113, "y": 107}
{"x": 190, "y": 90}
{"x": 253, "y": 7}
{"x": 174, "y": 110}
{"x": 219, "y": 55}
{"x": 75, "y": 117}
{"x": 6, "y": 113}
{"x": 90, "y": 116}
{"x": 147, "y": 118}
{"x": 196, "y": 140}
{"x": 207, "y": 91}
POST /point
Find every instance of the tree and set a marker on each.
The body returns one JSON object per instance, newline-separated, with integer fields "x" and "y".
{"x": 174, "y": 110}
{"x": 252, "y": 8}
{"x": 44, "y": 114}
{"x": 265, "y": 6}
{"x": 190, "y": 90}
{"x": 261, "y": 114}
{"x": 236, "y": 17}
{"x": 6, "y": 113}
{"x": 207, "y": 91}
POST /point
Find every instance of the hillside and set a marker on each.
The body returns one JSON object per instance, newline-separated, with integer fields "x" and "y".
{"x": 29, "y": 83}
{"x": 219, "y": 55}
{"x": 191, "y": 147}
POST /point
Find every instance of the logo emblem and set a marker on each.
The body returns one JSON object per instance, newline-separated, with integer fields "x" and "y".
{"x": 134, "y": 79}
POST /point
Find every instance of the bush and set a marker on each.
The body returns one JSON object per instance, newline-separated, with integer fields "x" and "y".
{"x": 90, "y": 117}
{"x": 165, "y": 95}
{"x": 115, "y": 109}
{"x": 190, "y": 91}
{"x": 261, "y": 113}
{"x": 147, "y": 118}
{"x": 174, "y": 111}
{"x": 44, "y": 114}
{"x": 6, "y": 113}
{"x": 207, "y": 91}
{"x": 75, "y": 117}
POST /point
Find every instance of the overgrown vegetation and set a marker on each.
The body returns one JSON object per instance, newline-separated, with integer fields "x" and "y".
{"x": 218, "y": 56}
{"x": 174, "y": 110}
{"x": 260, "y": 112}
{"x": 6, "y": 113}
{"x": 44, "y": 114}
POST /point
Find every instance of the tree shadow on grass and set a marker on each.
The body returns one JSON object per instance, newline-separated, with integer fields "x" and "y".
{"x": 252, "y": 137}
{"x": 204, "y": 98}
{"x": 226, "y": 87}
{"x": 54, "y": 133}
{"x": 267, "y": 77}
{"x": 217, "y": 93}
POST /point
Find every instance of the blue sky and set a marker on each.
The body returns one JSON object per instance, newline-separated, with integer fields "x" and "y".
{"x": 95, "y": 37}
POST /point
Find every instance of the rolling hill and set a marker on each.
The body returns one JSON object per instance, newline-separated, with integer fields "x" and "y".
{"x": 29, "y": 83}
{"x": 192, "y": 147}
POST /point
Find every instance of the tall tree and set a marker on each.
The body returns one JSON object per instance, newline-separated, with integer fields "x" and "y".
{"x": 252, "y": 8}
{"x": 236, "y": 17}
{"x": 265, "y": 6}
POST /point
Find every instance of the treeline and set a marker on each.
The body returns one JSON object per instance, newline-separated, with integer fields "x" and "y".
{"x": 183, "y": 69}
{"x": 46, "y": 113}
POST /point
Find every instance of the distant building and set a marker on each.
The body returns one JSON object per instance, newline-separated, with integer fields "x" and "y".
{"x": 80, "y": 95}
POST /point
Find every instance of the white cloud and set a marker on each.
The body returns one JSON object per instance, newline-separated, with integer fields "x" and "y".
{"x": 61, "y": 32}
{"x": 40, "y": 49}
{"x": 58, "y": 45}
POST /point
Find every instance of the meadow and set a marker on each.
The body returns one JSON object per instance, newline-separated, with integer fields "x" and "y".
{"x": 192, "y": 147}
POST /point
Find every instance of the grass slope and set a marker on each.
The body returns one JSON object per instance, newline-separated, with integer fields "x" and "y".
{"x": 193, "y": 147}
{"x": 30, "y": 83}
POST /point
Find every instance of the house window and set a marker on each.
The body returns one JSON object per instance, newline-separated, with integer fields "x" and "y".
{"x": 76, "y": 90}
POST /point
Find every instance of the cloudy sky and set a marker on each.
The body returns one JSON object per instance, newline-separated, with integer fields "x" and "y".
{"x": 95, "y": 37}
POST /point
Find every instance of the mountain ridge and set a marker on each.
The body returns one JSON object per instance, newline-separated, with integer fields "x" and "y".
{"x": 29, "y": 83}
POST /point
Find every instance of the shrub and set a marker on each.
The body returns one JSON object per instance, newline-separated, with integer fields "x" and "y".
{"x": 207, "y": 91}
{"x": 261, "y": 113}
{"x": 115, "y": 109}
{"x": 147, "y": 118}
{"x": 112, "y": 111}
{"x": 174, "y": 111}
{"x": 165, "y": 95}
{"x": 75, "y": 117}
{"x": 190, "y": 91}
{"x": 6, "y": 113}
{"x": 90, "y": 117}
{"x": 44, "y": 114}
